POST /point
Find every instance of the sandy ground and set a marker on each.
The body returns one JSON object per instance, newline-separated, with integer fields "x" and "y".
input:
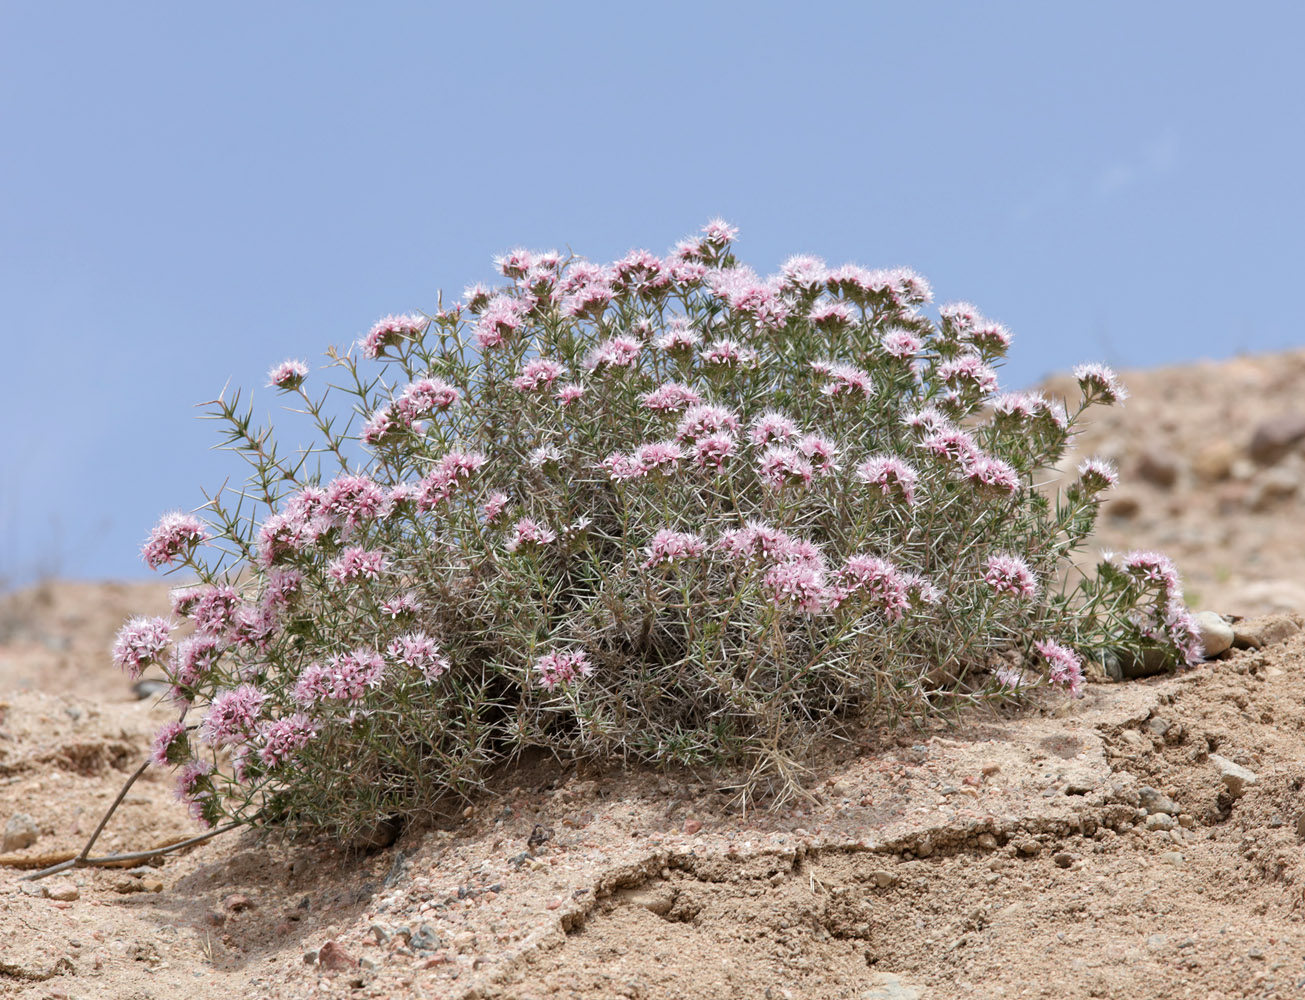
{"x": 1090, "y": 848}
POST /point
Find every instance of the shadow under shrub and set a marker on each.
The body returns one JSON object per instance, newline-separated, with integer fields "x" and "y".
{"x": 663, "y": 509}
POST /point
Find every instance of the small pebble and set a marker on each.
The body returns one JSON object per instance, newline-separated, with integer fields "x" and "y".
{"x": 64, "y": 891}
{"x": 21, "y": 831}
{"x": 333, "y": 956}
{"x": 1235, "y": 777}
{"x": 237, "y": 902}
{"x": 1064, "y": 859}
{"x": 692, "y": 826}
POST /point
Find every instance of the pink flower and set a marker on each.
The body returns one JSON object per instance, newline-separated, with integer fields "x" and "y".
{"x": 514, "y": 263}
{"x": 282, "y": 587}
{"x": 568, "y": 394}
{"x": 562, "y": 668}
{"x": 772, "y": 428}
{"x": 799, "y": 583}
{"x": 953, "y": 447}
{"x": 1156, "y": 570}
{"x": 501, "y": 319}
{"x": 528, "y": 534}
{"x": 140, "y": 642}
{"x": 170, "y": 745}
{"x": 1097, "y": 475}
{"x": 282, "y": 738}
{"x": 379, "y": 426}
{"x": 878, "y": 581}
{"x": 968, "y": 373}
{"x": 357, "y": 564}
{"x": 538, "y": 374}
{"x": 192, "y": 660}
{"x": 640, "y": 271}
{"x": 1064, "y": 667}
{"x": 622, "y": 468}
{"x": 404, "y": 604}
{"x": 804, "y": 273}
{"x": 353, "y": 500}
{"x": 195, "y": 788}
{"x": 232, "y": 715}
{"x": 678, "y": 336}
{"x": 215, "y": 611}
{"x": 747, "y": 294}
{"x": 1015, "y": 407}
{"x": 928, "y": 421}
{"x": 847, "y": 380}
{"x": 346, "y": 677}
{"x": 992, "y": 477}
{"x": 184, "y": 599}
{"x": 668, "y": 547}
{"x": 959, "y": 318}
{"x": 287, "y": 375}
{"x": 1183, "y": 632}
{"x": 390, "y": 331}
{"x": 670, "y": 397}
{"x": 1007, "y": 574}
{"x": 438, "y": 484}
{"x": 728, "y": 353}
{"x": 757, "y": 540}
{"x": 615, "y": 352}
{"x": 658, "y": 456}
{"x": 255, "y": 628}
{"x": 992, "y": 339}
{"x": 420, "y": 651}
{"x": 782, "y": 466}
{"x": 476, "y": 296}
{"x": 713, "y": 451}
{"x": 829, "y": 314}
{"x": 1100, "y": 384}
{"x": 895, "y": 479}
{"x": 901, "y": 344}
{"x": 493, "y": 506}
{"x": 174, "y": 537}
{"x": 718, "y": 232}
{"x": 820, "y": 452}
{"x": 703, "y": 420}
{"x": 423, "y": 397}
{"x": 588, "y": 301}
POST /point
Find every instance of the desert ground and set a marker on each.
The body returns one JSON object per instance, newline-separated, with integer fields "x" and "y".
{"x": 1143, "y": 841}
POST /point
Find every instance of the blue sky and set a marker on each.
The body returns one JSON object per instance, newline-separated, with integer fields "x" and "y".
{"x": 193, "y": 193}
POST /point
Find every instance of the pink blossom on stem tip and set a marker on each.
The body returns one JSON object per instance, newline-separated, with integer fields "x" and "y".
{"x": 140, "y": 642}
{"x": 1010, "y": 575}
{"x": 562, "y": 668}
{"x": 287, "y": 375}
{"x": 173, "y": 537}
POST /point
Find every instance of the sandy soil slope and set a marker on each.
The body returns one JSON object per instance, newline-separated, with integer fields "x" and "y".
{"x": 1105, "y": 847}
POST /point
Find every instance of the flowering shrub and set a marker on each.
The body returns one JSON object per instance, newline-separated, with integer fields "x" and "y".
{"x": 663, "y": 508}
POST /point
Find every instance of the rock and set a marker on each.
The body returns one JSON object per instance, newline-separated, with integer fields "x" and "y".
{"x": 21, "y": 831}
{"x": 1275, "y": 437}
{"x": 332, "y": 956}
{"x": 63, "y": 891}
{"x": 692, "y": 826}
{"x": 1235, "y": 777}
{"x": 1029, "y": 847}
{"x": 987, "y": 841}
{"x": 1063, "y": 859}
{"x": 1155, "y": 801}
{"x": 655, "y": 899}
{"x": 310, "y": 956}
{"x": 150, "y": 687}
{"x": 1214, "y": 461}
{"x": 1266, "y": 630}
{"x": 425, "y": 939}
{"x": 886, "y": 986}
{"x": 1216, "y": 634}
{"x": 237, "y": 902}
{"x": 1272, "y": 487}
{"x": 886, "y": 879}
{"x": 1159, "y": 468}
{"x": 151, "y": 885}
{"x": 37, "y": 890}
{"x": 1121, "y": 505}
{"x": 1160, "y": 821}
{"x": 1174, "y": 858}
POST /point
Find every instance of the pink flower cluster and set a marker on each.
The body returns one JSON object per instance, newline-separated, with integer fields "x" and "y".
{"x": 173, "y": 538}
{"x": 170, "y": 745}
{"x": 281, "y": 739}
{"x": 232, "y": 715}
{"x": 1010, "y": 575}
{"x": 420, "y": 651}
{"x": 529, "y": 534}
{"x": 287, "y": 375}
{"x": 357, "y": 564}
{"x": 670, "y": 397}
{"x": 140, "y": 642}
{"x": 562, "y": 668}
{"x": 1064, "y": 668}
{"x": 877, "y": 581}
{"x": 345, "y": 677}
{"x": 1100, "y": 384}
{"x": 538, "y": 374}
{"x": 669, "y": 547}
{"x": 438, "y": 485}
{"x": 895, "y": 479}
{"x": 1170, "y": 620}
{"x": 390, "y": 331}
